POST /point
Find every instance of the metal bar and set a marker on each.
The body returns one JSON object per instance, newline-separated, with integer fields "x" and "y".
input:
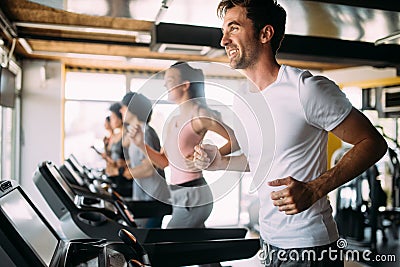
{"x": 7, "y": 27}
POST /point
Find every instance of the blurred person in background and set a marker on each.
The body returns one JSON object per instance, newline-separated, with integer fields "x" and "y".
{"x": 148, "y": 181}
{"x": 114, "y": 154}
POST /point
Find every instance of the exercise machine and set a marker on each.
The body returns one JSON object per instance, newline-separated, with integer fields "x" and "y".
{"x": 28, "y": 239}
{"x": 86, "y": 181}
{"x": 79, "y": 220}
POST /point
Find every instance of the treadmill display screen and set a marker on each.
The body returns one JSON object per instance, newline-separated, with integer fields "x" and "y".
{"x": 57, "y": 176}
{"x": 29, "y": 225}
{"x": 76, "y": 164}
{"x": 78, "y": 179}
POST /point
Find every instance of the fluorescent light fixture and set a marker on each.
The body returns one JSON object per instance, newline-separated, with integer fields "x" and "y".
{"x": 26, "y": 46}
{"x": 83, "y": 56}
{"x": 140, "y": 35}
{"x": 29, "y": 50}
{"x": 184, "y": 49}
{"x": 143, "y": 38}
{"x": 198, "y": 50}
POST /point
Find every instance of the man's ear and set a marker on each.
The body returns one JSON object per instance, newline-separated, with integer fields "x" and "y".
{"x": 266, "y": 34}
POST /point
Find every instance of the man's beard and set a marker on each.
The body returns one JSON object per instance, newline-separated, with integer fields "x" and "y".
{"x": 245, "y": 59}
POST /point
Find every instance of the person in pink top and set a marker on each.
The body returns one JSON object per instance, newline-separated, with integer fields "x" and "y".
{"x": 191, "y": 196}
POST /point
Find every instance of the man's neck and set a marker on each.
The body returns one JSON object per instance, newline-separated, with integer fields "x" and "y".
{"x": 263, "y": 73}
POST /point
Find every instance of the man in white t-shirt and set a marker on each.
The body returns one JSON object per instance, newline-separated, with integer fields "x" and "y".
{"x": 285, "y": 122}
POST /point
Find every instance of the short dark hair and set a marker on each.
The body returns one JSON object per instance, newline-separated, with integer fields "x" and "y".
{"x": 127, "y": 98}
{"x": 261, "y": 13}
{"x": 140, "y": 106}
{"x": 115, "y": 108}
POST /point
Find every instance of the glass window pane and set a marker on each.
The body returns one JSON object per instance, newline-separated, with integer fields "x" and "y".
{"x": 137, "y": 83}
{"x": 95, "y": 86}
{"x": 354, "y": 94}
{"x": 6, "y": 144}
{"x": 151, "y": 87}
{"x": 84, "y": 127}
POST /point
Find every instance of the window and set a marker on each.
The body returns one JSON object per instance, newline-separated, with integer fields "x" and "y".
{"x": 9, "y": 124}
{"x": 8, "y": 145}
{"x": 94, "y": 86}
{"x": 88, "y": 97}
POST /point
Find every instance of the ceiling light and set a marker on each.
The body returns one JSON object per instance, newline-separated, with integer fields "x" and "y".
{"x": 84, "y": 29}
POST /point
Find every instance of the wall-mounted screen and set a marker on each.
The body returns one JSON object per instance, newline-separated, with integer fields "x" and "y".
{"x": 7, "y": 88}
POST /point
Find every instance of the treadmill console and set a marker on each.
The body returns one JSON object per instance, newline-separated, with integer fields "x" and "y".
{"x": 62, "y": 197}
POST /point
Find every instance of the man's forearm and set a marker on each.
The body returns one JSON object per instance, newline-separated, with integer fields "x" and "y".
{"x": 353, "y": 163}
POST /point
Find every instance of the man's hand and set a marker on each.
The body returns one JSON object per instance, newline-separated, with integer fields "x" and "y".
{"x": 206, "y": 157}
{"x": 295, "y": 198}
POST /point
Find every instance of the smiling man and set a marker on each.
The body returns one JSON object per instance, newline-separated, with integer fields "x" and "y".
{"x": 295, "y": 213}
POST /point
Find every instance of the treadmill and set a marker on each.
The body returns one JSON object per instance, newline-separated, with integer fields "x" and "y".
{"x": 80, "y": 220}
{"x": 85, "y": 183}
{"x": 28, "y": 240}
{"x": 80, "y": 175}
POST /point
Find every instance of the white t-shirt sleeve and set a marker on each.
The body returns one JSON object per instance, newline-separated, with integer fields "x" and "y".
{"x": 325, "y": 105}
